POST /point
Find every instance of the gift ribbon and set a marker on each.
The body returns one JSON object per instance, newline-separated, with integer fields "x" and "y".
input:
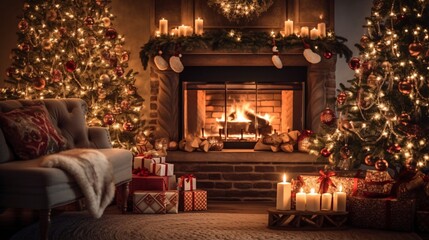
{"x": 188, "y": 178}
{"x": 160, "y": 169}
{"x": 325, "y": 180}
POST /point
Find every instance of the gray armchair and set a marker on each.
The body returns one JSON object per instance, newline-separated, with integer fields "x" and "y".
{"x": 23, "y": 184}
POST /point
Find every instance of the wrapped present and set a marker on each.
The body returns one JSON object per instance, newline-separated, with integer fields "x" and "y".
{"x": 381, "y": 213}
{"x": 195, "y": 200}
{"x": 172, "y": 202}
{"x": 162, "y": 169}
{"x": 187, "y": 183}
{"x": 378, "y": 176}
{"x": 172, "y": 183}
{"x": 138, "y": 162}
{"x": 149, "y": 183}
{"x": 377, "y": 184}
{"x": 147, "y": 162}
{"x": 149, "y": 202}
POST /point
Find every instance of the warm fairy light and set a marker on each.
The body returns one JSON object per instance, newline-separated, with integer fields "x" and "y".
{"x": 312, "y": 191}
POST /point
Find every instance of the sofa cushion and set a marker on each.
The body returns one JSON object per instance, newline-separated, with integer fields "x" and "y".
{"x": 30, "y": 132}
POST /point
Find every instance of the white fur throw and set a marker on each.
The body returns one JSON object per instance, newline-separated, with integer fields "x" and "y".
{"x": 92, "y": 172}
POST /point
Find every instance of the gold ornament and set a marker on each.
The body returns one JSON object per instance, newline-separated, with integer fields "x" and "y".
{"x": 106, "y": 21}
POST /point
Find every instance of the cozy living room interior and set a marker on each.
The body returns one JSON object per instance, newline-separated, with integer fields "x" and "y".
{"x": 218, "y": 119}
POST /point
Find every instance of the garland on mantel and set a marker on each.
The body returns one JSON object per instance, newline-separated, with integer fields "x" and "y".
{"x": 251, "y": 41}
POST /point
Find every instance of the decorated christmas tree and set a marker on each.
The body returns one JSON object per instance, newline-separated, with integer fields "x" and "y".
{"x": 382, "y": 116}
{"x": 71, "y": 49}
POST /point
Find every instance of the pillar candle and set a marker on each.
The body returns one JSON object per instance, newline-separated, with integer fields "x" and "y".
{"x": 322, "y": 29}
{"x": 304, "y": 31}
{"x": 199, "y": 26}
{"x": 188, "y": 31}
{"x": 313, "y": 201}
{"x": 314, "y": 33}
{"x": 288, "y": 27}
{"x": 174, "y": 32}
{"x": 283, "y": 194}
{"x": 182, "y": 31}
{"x": 300, "y": 200}
{"x": 339, "y": 200}
{"x": 163, "y": 26}
{"x": 326, "y": 201}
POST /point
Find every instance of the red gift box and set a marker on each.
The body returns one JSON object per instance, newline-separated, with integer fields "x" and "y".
{"x": 149, "y": 183}
{"x": 195, "y": 200}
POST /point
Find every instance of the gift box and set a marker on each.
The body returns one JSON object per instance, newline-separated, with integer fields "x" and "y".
{"x": 172, "y": 202}
{"x": 149, "y": 202}
{"x": 187, "y": 183}
{"x": 378, "y": 184}
{"x": 195, "y": 200}
{"x": 381, "y": 213}
{"x": 162, "y": 169}
{"x": 149, "y": 183}
{"x": 147, "y": 162}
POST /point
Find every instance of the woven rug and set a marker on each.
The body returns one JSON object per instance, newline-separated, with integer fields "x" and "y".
{"x": 189, "y": 226}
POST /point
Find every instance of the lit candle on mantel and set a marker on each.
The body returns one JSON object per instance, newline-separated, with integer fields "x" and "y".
{"x": 300, "y": 200}
{"x": 163, "y": 26}
{"x": 288, "y": 28}
{"x": 304, "y": 31}
{"x": 340, "y": 200}
{"x": 314, "y": 34}
{"x": 321, "y": 27}
{"x": 313, "y": 201}
{"x": 326, "y": 201}
{"x": 283, "y": 194}
{"x": 199, "y": 26}
{"x": 182, "y": 31}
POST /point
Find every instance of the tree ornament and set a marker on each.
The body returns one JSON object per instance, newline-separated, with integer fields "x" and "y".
{"x": 89, "y": 21}
{"x": 369, "y": 160}
{"x": 276, "y": 59}
{"x": 341, "y": 98}
{"x": 381, "y": 165}
{"x": 364, "y": 40}
{"x": 24, "y": 47}
{"x": 325, "y": 152}
{"x": 372, "y": 81}
{"x": 51, "y": 15}
{"x": 160, "y": 62}
{"x": 128, "y": 126}
{"x": 125, "y": 56}
{"x": 109, "y": 119}
{"x": 23, "y": 25}
{"x": 106, "y": 21}
{"x": 354, "y": 63}
{"x": 111, "y": 33}
{"x": 327, "y": 54}
{"x": 176, "y": 64}
{"x": 404, "y": 119}
{"x": 415, "y": 49}
{"x": 387, "y": 66}
{"x": 405, "y": 87}
{"x": 105, "y": 78}
{"x": 91, "y": 41}
{"x": 311, "y": 56}
{"x": 345, "y": 152}
{"x": 367, "y": 65}
{"x": 328, "y": 117}
{"x": 39, "y": 83}
{"x": 71, "y": 66}
{"x": 395, "y": 148}
{"x": 119, "y": 71}
{"x": 56, "y": 75}
{"x": 125, "y": 105}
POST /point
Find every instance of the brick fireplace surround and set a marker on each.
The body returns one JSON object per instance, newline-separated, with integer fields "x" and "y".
{"x": 239, "y": 174}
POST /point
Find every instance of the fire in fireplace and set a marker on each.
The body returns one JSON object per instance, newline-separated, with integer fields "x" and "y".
{"x": 240, "y": 104}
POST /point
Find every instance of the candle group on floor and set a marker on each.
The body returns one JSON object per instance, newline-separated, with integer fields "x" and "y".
{"x": 312, "y": 201}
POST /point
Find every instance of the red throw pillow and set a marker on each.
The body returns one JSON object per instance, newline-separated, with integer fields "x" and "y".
{"x": 30, "y": 132}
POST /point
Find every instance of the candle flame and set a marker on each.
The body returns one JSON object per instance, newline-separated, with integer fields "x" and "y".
{"x": 312, "y": 190}
{"x": 321, "y": 16}
{"x": 284, "y": 177}
{"x": 301, "y": 190}
{"x": 341, "y": 188}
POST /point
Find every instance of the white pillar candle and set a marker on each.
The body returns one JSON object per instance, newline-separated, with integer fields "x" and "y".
{"x": 326, "y": 201}
{"x": 163, "y": 26}
{"x": 188, "y": 31}
{"x": 304, "y": 31}
{"x": 321, "y": 27}
{"x": 314, "y": 33}
{"x": 283, "y": 194}
{"x": 199, "y": 26}
{"x": 182, "y": 31}
{"x": 340, "y": 200}
{"x": 300, "y": 200}
{"x": 313, "y": 201}
{"x": 288, "y": 27}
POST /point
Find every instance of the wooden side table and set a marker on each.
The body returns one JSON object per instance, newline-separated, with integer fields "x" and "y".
{"x": 304, "y": 220}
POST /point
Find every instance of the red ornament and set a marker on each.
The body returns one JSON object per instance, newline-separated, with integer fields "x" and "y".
{"x": 341, "y": 98}
{"x": 89, "y": 21}
{"x": 345, "y": 152}
{"x": 111, "y": 33}
{"x": 354, "y": 63}
{"x": 395, "y": 148}
{"x": 51, "y": 15}
{"x": 328, "y": 117}
{"x": 327, "y": 55}
{"x": 415, "y": 49}
{"x": 23, "y": 25}
{"x": 325, "y": 152}
{"x": 70, "y": 66}
{"x": 381, "y": 165}
{"x": 128, "y": 126}
{"x": 405, "y": 87}
{"x": 119, "y": 71}
{"x": 39, "y": 83}
{"x": 24, "y": 47}
{"x": 109, "y": 119}
{"x": 369, "y": 160}
{"x": 125, "y": 105}
{"x": 56, "y": 75}
{"x": 364, "y": 40}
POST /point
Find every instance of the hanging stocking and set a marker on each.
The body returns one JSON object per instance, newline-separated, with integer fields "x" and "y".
{"x": 160, "y": 62}
{"x": 275, "y": 58}
{"x": 175, "y": 62}
{"x": 311, "y": 56}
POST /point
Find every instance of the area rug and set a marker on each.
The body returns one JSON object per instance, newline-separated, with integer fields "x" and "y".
{"x": 189, "y": 226}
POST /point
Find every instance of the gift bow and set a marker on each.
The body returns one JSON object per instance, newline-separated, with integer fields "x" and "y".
{"x": 187, "y": 178}
{"x": 143, "y": 172}
{"x": 325, "y": 180}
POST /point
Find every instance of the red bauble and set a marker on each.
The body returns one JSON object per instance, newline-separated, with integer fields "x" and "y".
{"x": 381, "y": 165}
{"x": 128, "y": 126}
{"x": 111, "y": 33}
{"x": 395, "y": 148}
{"x": 89, "y": 21}
{"x": 23, "y": 25}
{"x": 341, "y": 98}
{"x": 415, "y": 49}
{"x": 327, "y": 55}
{"x": 56, "y": 75}
{"x": 328, "y": 117}
{"x": 24, "y": 47}
{"x": 109, "y": 119}
{"x": 70, "y": 66}
{"x": 369, "y": 160}
{"x": 125, "y": 105}
{"x": 39, "y": 83}
{"x": 354, "y": 63}
{"x": 405, "y": 87}
{"x": 119, "y": 71}
{"x": 325, "y": 152}
{"x": 345, "y": 152}
{"x": 364, "y": 40}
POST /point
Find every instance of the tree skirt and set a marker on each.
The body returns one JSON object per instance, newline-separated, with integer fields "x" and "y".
{"x": 190, "y": 225}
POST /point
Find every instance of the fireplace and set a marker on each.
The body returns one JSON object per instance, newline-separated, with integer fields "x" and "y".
{"x": 239, "y": 104}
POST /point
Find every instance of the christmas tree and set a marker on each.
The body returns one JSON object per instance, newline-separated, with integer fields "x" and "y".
{"x": 382, "y": 117}
{"x": 71, "y": 49}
